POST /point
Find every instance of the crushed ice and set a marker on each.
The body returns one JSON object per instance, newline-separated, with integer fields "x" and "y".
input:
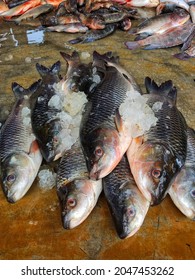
{"x": 46, "y": 179}
{"x": 138, "y": 117}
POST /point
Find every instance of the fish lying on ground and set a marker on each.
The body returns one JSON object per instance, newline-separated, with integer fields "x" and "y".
{"x": 156, "y": 157}
{"x": 77, "y": 194}
{"x": 161, "y": 23}
{"x": 19, "y": 152}
{"x": 127, "y": 204}
{"x": 172, "y": 37}
{"x": 102, "y": 134}
{"x": 182, "y": 191}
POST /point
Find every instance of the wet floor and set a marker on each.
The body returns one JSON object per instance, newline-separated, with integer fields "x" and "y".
{"x": 31, "y": 228}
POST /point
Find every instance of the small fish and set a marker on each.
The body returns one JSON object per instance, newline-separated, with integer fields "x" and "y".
{"x": 34, "y": 12}
{"x": 161, "y": 23}
{"x": 93, "y": 35}
{"x": 172, "y": 37}
{"x": 127, "y": 204}
{"x": 68, "y": 28}
{"x": 92, "y": 21}
{"x": 19, "y": 152}
{"x": 182, "y": 191}
{"x": 158, "y": 156}
{"x": 103, "y": 137}
{"x": 180, "y": 3}
{"x": 77, "y": 194}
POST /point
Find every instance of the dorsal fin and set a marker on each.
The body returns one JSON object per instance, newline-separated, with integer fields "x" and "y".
{"x": 166, "y": 89}
{"x": 108, "y": 56}
{"x": 54, "y": 70}
{"x": 19, "y": 91}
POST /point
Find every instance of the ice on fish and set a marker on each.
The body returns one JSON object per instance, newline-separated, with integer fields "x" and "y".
{"x": 84, "y": 55}
{"x": 46, "y": 179}
{"x": 157, "y": 106}
{"x": 55, "y": 102}
{"x": 138, "y": 117}
{"x": 26, "y": 117}
{"x": 74, "y": 102}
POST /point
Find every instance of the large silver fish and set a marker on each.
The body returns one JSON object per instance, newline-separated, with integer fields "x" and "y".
{"x": 20, "y": 156}
{"x": 102, "y": 133}
{"x": 77, "y": 194}
{"x": 157, "y": 156}
{"x": 127, "y": 204}
{"x": 182, "y": 191}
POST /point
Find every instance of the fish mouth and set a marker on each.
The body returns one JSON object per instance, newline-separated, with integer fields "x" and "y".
{"x": 65, "y": 221}
{"x": 94, "y": 174}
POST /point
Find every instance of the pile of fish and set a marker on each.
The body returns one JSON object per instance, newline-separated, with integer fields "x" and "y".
{"x": 103, "y": 133}
{"x": 166, "y": 23}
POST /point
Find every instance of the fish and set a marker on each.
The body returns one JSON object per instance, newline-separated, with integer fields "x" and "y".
{"x": 139, "y": 3}
{"x": 19, "y": 10}
{"x": 103, "y": 136}
{"x": 161, "y": 23}
{"x": 182, "y": 191}
{"x": 127, "y": 204}
{"x": 172, "y": 37}
{"x": 158, "y": 155}
{"x": 34, "y": 12}
{"x": 188, "y": 48}
{"x": 77, "y": 194}
{"x": 68, "y": 28}
{"x": 192, "y": 12}
{"x": 180, "y": 3}
{"x": 94, "y": 35}
{"x": 14, "y": 3}
{"x": 20, "y": 156}
{"x": 45, "y": 120}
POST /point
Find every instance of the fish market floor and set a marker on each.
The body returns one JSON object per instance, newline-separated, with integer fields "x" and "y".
{"x": 31, "y": 228}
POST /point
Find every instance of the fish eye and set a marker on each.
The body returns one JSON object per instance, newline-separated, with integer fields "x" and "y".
{"x": 55, "y": 140}
{"x": 11, "y": 178}
{"x": 131, "y": 211}
{"x": 156, "y": 173}
{"x": 99, "y": 152}
{"x": 192, "y": 193}
{"x": 71, "y": 202}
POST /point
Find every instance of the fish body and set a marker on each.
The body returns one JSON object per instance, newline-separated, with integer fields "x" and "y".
{"x": 102, "y": 134}
{"x": 3, "y": 7}
{"x": 161, "y": 23}
{"x": 127, "y": 204}
{"x": 93, "y": 35}
{"x": 77, "y": 194}
{"x": 180, "y": 3}
{"x": 182, "y": 191}
{"x": 19, "y": 10}
{"x": 19, "y": 152}
{"x": 158, "y": 156}
{"x": 45, "y": 120}
{"x": 34, "y": 12}
{"x": 172, "y": 37}
{"x": 139, "y": 3}
{"x": 68, "y": 28}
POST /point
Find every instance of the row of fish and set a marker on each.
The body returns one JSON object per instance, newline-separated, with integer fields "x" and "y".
{"x": 116, "y": 129}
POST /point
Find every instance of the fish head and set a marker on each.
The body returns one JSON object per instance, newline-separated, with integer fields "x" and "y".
{"x": 182, "y": 191}
{"x": 76, "y": 200}
{"x": 180, "y": 16}
{"x": 51, "y": 141}
{"x": 154, "y": 168}
{"x": 135, "y": 207}
{"x": 17, "y": 172}
{"x": 103, "y": 152}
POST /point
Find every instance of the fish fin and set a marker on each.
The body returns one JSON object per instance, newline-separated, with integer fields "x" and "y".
{"x": 19, "y": 91}
{"x": 182, "y": 56}
{"x": 141, "y": 36}
{"x": 34, "y": 147}
{"x": 133, "y": 30}
{"x": 124, "y": 185}
{"x": 151, "y": 47}
{"x": 132, "y": 45}
{"x": 76, "y": 40}
{"x": 118, "y": 121}
{"x": 188, "y": 42}
{"x": 43, "y": 71}
{"x": 108, "y": 56}
{"x": 74, "y": 57}
{"x": 166, "y": 89}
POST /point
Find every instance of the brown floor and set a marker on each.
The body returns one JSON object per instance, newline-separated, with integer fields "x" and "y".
{"x": 31, "y": 228}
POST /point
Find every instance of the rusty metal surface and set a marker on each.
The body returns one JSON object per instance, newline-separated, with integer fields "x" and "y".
{"x": 31, "y": 228}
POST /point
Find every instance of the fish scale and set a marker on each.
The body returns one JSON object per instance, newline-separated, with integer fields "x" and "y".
{"x": 14, "y": 126}
{"x": 170, "y": 129}
{"x": 190, "y": 158}
{"x": 104, "y": 101}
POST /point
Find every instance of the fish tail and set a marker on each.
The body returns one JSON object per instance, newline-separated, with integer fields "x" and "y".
{"x": 182, "y": 56}
{"x": 19, "y": 91}
{"x": 108, "y": 56}
{"x": 167, "y": 89}
{"x": 74, "y": 57}
{"x": 132, "y": 45}
{"x": 43, "y": 71}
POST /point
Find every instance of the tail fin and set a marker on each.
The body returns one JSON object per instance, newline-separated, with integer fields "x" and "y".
{"x": 132, "y": 45}
{"x": 54, "y": 70}
{"x": 19, "y": 91}
{"x": 166, "y": 89}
